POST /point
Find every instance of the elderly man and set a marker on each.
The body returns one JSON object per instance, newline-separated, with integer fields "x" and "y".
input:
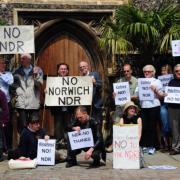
{"x": 174, "y": 114}
{"x": 96, "y": 111}
{"x": 27, "y": 81}
{"x": 6, "y": 79}
{"x": 128, "y": 77}
{"x": 84, "y": 121}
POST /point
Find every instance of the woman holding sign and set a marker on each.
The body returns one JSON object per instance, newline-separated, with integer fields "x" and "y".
{"x": 150, "y": 106}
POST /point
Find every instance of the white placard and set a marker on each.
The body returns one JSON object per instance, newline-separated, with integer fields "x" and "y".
{"x": 16, "y": 39}
{"x": 80, "y": 140}
{"x": 126, "y": 147}
{"x": 165, "y": 79}
{"x": 145, "y": 91}
{"x": 46, "y": 152}
{"x": 173, "y": 95}
{"x": 176, "y": 48}
{"x": 122, "y": 93}
{"x": 69, "y": 91}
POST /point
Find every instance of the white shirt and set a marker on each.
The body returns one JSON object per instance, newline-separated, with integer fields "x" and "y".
{"x": 6, "y": 79}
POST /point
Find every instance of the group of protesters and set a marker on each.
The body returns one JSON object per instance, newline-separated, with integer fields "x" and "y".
{"x": 156, "y": 119}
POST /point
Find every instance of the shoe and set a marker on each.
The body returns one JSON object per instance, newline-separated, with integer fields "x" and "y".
{"x": 173, "y": 152}
{"x": 151, "y": 151}
{"x": 145, "y": 150}
{"x": 95, "y": 165}
{"x": 109, "y": 149}
{"x": 71, "y": 164}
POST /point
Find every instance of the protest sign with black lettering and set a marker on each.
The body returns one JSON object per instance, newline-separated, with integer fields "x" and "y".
{"x": 16, "y": 39}
{"x": 176, "y": 48}
{"x": 46, "y": 152}
{"x": 122, "y": 92}
{"x": 126, "y": 147}
{"x": 145, "y": 91}
{"x": 165, "y": 79}
{"x": 69, "y": 91}
{"x": 173, "y": 95}
{"x": 82, "y": 139}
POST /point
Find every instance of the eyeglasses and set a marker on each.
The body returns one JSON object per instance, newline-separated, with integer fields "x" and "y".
{"x": 126, "y": 71}
{"x": 148, "y": 71}
{"x": 176, "y": 71}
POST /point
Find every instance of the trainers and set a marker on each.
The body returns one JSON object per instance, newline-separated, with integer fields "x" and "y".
{"x": 145, "y": 150}
{"x": 151, "y": 151}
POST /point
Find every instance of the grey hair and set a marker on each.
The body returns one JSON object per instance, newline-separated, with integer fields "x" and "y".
{"x": 177, "y": 65}
{"x": 26, "y": 55}
{"x": 151, "y": 67}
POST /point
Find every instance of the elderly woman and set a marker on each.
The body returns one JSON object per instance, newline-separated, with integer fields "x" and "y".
{"x": 150, "y": 112}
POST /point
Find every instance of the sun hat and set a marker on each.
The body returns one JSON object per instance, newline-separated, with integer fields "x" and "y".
{"x": 129, "y": 104}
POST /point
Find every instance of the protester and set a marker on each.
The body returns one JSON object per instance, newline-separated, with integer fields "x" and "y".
{"x": 164, "y": 115}
{"x": 6, "y": 79}
{"x": 130, "y": 116}
{"x": 62, "y": 115}
{"x": 29, "y": 140}
{"x": 128, "y": 77}
{"x": 84, "y": 121}
{"x": 96, "y": 109}
{"x": 174, "y": 114}
{"x": 4, "y": 118}
{"x": 27, "y": 82}
{"x": 150, "y": 111}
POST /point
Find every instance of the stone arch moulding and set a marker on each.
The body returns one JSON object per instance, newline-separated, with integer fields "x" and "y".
{"x": 75, "y": 29}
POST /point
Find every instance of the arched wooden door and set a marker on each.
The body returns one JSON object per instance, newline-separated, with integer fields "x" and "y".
{"x": 64, "y": 41}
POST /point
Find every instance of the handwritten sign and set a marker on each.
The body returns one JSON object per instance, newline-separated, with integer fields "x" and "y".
{"x": 80, "y": 140}
{"x": 165, "y": 79}
{"x": 173, "y": 95}
{"x": 122, "y": 93}
{"x": 126, "y": 147}
{"x": 46, "y": 152}
{"x": 176, "y": 48}
{"x": 145, "y": 92}
{"x": 69, "y": 91}
{"x": 16, "y": 39}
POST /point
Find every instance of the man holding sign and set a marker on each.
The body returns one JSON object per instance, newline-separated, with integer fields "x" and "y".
{"x": 84, "y": 121}
{"x": 174, "y": 112}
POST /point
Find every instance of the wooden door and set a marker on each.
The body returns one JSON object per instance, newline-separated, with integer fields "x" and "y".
{"x": 62, "y": 49}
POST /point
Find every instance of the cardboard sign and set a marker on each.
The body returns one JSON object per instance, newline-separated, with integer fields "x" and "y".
{"x": 176, "y": 48}
{"x": 145, "y": 92}
{"x": 81, "y": 140}
{"x": 165, "y": 79}
{"x": 126, "y": 147}
{"x": 69, "y": 91}
{"x": 46, "y": 152}
{"x": 16, "y": 39}
{"x": 122, "y": 93}
{"x": 173, "y": 95}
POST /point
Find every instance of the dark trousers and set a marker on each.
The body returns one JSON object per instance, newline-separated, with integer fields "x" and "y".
{"x": 174, "y": 114}
{"x": 71, "y": 155}
{"x": 23, "y": 115}
{"x": 150, "y": 120}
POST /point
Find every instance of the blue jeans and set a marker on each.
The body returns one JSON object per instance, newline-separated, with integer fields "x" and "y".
{"x": 164, "y": 119}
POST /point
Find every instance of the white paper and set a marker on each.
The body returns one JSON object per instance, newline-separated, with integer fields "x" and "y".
{"x": 16, "y": 39}
{"x": 80, "y": 140}
{"x": 145, "y": 91}
{"x": 69, "y": 91}
{"x": 126, "y": 152}
{"x": 122, "y": 93}
{"x": 173, "y": 95}
{"x": 165, "y": 79}
{"x": 46, "y": 152}
{"x": 176, "y": 48}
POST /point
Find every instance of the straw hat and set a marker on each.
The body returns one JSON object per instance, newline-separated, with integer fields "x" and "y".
{"x": 129, "y": 104}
